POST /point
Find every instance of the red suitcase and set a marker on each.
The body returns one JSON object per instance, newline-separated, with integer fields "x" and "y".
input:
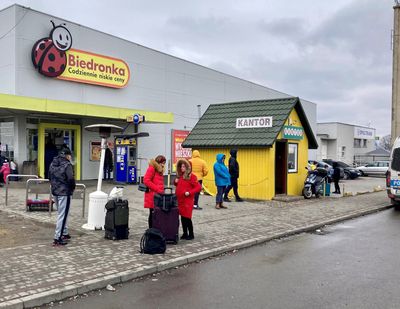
{"x": 166, "y": 215}
{"x": 38, "y": 204}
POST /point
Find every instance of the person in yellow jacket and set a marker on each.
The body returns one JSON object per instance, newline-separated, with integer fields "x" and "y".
{"x": 199, "y": 168}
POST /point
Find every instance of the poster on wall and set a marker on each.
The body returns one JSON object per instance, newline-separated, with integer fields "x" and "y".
{"x": 95, "y": 149}
{"x": 177, "y": 151}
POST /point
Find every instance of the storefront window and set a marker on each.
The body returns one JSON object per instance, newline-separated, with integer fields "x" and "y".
{"x": 292, "y": 158}
{"x": 7, "y": 139}
{"x": 357, "y": 143}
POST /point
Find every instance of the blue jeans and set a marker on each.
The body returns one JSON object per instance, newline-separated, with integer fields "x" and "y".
{"x": 220, "y": 193}
{"x": 63, "y": 203}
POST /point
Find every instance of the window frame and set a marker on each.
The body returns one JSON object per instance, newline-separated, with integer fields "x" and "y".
{"x": 296, "y": 158}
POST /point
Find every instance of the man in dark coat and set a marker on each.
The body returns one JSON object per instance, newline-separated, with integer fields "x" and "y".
{"x": 61, "y": 175}
{"x": 336, "y": 177}
{"x": 234, "y": 172}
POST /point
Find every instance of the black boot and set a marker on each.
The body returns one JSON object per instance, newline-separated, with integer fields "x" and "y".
{"x": 226, "y": 199}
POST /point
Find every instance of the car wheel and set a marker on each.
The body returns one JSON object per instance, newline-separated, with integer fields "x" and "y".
{"x": 346, "y": 176}
{"x": 307, "y": 193}
{"x": 395, "y": 204}
{"x": 363, "y": 174}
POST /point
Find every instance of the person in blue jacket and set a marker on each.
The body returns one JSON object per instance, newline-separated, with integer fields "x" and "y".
{"x": 222, "y": 179}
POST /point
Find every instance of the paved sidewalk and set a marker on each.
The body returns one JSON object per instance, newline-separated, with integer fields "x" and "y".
{"x": 36, "y": 274}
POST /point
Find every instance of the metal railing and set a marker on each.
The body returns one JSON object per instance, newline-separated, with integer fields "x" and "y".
{"x": 8, "y": 182}
{"x": 80, "y": 193}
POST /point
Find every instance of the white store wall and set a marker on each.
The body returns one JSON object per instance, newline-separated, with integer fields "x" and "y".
{"x": 159, "y": 82}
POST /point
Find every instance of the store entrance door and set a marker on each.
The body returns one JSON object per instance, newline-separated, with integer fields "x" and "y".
{"x": 53, "y": 137}
{"x": 280, "y": 167}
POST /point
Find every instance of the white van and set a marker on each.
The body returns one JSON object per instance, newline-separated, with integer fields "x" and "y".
{"x": 393, "y": 175}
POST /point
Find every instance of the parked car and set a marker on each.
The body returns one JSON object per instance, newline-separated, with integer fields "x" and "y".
{"x": 320, "y": 164}
{"x": 349, "y": 172}
{"x": 393, "y": 175}
{"x": 374, "y": 168}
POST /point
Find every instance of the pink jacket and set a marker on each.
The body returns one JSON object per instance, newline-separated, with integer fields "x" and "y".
{"x": 5, "y": 169}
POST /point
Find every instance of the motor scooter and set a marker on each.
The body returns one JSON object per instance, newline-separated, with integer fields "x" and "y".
{"x": 314, "y": 182}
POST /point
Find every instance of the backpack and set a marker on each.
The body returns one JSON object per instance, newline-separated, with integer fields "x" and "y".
{"x": 152, "y": 242}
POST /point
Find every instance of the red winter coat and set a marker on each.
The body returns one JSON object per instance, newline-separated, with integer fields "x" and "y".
{"x": 186, "y": 183}
{"x": 154, "y": 180}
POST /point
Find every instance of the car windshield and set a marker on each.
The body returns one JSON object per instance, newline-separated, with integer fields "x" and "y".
{"x": 396, "y": 159}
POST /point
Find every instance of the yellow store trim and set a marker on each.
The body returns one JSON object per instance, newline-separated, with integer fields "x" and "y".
{"x": 77, "y": 145}
{"x": 79, "y": 109}
{"x": 295, "y": 181}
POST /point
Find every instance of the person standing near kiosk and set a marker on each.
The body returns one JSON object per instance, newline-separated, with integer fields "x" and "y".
{"x": 234, "y": 172}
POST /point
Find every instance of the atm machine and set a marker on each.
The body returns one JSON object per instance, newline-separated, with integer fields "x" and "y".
{"x": 125, "y": 157}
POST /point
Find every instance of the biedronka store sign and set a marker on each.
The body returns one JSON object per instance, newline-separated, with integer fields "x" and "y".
{"x": 53, "y": 57}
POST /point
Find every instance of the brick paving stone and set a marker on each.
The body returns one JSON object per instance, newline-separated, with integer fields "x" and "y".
{"x": 90, "y": 261}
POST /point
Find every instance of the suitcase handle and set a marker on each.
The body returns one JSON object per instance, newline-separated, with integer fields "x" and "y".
{"x": 168, "y": 189}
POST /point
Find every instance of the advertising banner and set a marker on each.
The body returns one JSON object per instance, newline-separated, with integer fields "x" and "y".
{"x": 95, "y": 149}
{"x": 90, "y": 68}
{"x": 53, "y": 56}
{"x": 178, "y": 152}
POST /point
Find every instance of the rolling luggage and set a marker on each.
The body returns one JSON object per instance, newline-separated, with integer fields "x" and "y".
{"x": 39, "y": 204}
{"x": 117, "y": 219}
{"x": 166, "y": 215}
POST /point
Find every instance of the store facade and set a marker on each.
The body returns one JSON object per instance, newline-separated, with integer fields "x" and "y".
{"x": 344, "y": 142}
{"x": 56, "y": 77}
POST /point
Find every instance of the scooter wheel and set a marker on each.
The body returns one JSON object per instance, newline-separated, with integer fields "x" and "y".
{"x": 307, "y": 193}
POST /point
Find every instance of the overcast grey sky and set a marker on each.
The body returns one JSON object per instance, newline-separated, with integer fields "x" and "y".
{"x": 334, "y": 53}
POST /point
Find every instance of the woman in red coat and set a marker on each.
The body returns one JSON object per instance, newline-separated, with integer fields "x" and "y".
{"x": 154, "y": 180}
{"x": 186, "y": 188}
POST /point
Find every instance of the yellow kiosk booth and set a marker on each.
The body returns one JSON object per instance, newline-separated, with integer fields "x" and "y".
{"x": 272, "y": 138}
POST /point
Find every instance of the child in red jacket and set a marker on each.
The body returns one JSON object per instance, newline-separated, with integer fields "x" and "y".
{"x": 186, "y": 188}
{"x": 5, "y": 171}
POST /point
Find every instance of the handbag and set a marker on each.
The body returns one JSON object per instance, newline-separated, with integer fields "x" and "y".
{"x": 142, "y": 187}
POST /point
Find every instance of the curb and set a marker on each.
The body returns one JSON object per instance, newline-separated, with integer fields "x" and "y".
{"x": 121, "y": 277}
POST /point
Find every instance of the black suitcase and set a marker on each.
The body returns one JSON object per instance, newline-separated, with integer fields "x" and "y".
{"x": 166, "y": 215}
{"x": 117, "y": 219}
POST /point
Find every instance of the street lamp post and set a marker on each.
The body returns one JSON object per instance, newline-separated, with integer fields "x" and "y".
{"x": 98, "y": 199}
{"x": 395, "y": 130}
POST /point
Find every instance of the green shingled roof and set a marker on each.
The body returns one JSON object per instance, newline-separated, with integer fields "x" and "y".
{"x": 217, "y": 127}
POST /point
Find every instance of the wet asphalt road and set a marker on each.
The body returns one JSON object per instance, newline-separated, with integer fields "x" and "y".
{"x": 355, "y": 264}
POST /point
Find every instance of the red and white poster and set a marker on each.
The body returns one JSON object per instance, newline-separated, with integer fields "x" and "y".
{"x": 178, "y": 152}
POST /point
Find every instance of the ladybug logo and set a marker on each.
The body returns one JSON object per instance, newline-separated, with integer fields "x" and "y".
{"x": 48, "y": 54}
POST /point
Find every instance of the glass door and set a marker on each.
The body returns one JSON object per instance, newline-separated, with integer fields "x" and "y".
{"x": 52, "y": 137}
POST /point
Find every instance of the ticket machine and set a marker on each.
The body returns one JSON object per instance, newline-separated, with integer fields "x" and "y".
{"x": 125, "y": 157}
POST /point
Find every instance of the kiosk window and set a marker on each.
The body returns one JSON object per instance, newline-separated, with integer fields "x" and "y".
{"x": 292, "y": 158}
